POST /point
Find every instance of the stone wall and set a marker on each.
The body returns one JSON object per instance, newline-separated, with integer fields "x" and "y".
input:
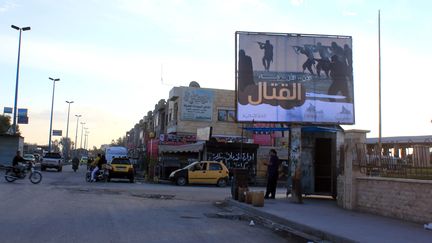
{"x": 406, "y": 199}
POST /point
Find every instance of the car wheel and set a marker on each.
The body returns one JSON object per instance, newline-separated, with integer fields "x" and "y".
{"x": 181, "y": 181}
{"x": 221, "y": 183}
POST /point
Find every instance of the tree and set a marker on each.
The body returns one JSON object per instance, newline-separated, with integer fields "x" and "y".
{"x": 94, "y": 151}
{"x": 5, "y": 124}
{"x": 119, "y": 142}
{"x": 66, "y": 144}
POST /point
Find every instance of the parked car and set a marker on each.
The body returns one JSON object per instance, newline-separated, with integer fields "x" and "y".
{"x": 84, "y": 160}
{"x": 29, "y": 157}
{"x": 52, "y": 160}
{"x": 203, "y": 172}
{"x": 121, "y": 168}
{"x": 37, "y": 157}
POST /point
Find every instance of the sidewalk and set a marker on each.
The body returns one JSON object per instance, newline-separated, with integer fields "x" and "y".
{"x": 321, "y": 217}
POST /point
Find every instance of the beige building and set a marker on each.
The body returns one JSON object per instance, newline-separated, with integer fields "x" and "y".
{"x": 190, "y": 108}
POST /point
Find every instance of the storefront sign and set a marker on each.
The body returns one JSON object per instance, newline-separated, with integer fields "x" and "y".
{"x": 197, "y": 104}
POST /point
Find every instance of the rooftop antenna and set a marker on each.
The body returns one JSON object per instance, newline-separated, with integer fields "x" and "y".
{"x": 161, "y": 73}
{"x": 161, "y": 79}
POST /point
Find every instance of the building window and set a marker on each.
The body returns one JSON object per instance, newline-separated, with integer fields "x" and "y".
{"x": 226, "y": 115}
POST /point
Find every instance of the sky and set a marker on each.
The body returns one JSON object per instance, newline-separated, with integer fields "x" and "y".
{"x": 117, "y": 58}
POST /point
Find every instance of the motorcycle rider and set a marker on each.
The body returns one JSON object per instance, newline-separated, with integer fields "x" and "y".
{"x": 102, "y": 162}
{"x": 15, "y": 162}
{"x": 95, "y": 166}
{"x": 75, "y": 163}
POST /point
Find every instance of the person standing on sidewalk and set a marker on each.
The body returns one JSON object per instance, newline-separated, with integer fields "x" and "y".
{"x": 272, "y": 174}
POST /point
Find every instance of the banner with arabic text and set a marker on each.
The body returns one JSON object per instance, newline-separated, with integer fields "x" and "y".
{"x": 294, "y": 78}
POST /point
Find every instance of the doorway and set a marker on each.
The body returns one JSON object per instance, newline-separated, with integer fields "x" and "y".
{"x": 323, "y": 165}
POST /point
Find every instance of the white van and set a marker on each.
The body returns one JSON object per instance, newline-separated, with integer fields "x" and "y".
{"x": 115, "y": 152}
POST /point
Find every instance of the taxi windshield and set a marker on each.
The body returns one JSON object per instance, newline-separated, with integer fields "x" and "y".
{"x": 191, "y": 165}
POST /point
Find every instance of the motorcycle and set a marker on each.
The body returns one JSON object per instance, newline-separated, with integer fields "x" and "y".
{"x": 12, "y": 174}
{"x": 101, "y": 175}
{"x": 75, "y": 164}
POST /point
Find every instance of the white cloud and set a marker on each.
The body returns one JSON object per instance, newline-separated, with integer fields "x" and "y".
{"x": 349, "y": 13}
{"x": 297, "y": 2}
{"x": 7, "y": 6}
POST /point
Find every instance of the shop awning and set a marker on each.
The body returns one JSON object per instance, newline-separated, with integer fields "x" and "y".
{"x": 304, "y": 129}
{"x": 186, "y": 148}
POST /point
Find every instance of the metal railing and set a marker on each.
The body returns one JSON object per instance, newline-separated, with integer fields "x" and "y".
{"x": 410, "y": 166}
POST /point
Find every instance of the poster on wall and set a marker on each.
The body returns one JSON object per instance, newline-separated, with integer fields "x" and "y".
{"x": 294, "y": 78}
{"x": 197, "y": 105}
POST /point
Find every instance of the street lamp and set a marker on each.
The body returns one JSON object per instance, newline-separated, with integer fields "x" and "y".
{"x": 86, "y": 138}
{"x": 67, "y": 131}
{"x": 17, "y": 76}
{"x": 85, "y": 135}
{"x": 52, "y": 107}
{"x": 82, "y": 129}
{"x": 76, "y": 131}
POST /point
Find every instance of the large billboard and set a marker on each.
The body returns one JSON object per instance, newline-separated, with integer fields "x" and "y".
{"x": 294, "y": 78}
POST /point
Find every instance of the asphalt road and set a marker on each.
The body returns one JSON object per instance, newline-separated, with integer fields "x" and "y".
{"x": 65, "y": 208}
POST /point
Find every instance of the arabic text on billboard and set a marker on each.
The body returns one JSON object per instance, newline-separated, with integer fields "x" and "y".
{"x": 294, "y": 78}
{"x": 197, "y": 105}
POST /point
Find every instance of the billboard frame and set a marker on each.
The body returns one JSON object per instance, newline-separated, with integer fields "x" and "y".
{"x": 236, "y": 74}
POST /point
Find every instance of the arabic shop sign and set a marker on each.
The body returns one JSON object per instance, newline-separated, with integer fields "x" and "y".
{"x": 233, "y": 159}
{"x": 294, "y": 78}
{"x": 197, "y": 104}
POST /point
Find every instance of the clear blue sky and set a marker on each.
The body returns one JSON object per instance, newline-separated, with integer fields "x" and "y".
{"x": 108, "y": 55}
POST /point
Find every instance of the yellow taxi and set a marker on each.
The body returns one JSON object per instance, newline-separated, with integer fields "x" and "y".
{"x": 203, "y": 172}
{"x": 121, "y": 168}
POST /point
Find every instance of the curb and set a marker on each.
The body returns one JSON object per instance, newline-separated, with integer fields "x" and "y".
{"x": 295, "y": 228}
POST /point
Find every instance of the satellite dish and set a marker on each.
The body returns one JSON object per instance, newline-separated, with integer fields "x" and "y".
{"x": 194, "y": 84}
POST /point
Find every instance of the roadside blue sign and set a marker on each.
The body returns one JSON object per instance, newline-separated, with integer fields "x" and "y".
{"x": 7, "y": 110}
{"x": 22, "y": 112}
{"x": 22, "y": 119}
{"x": 56, "y": 132}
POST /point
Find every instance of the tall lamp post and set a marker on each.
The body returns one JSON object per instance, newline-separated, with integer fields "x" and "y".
{"x": 52, "y": 107}
{"x": 67, "y": 131}
{"x": 76, "y": 132}
{"x": 86, "y": 137}
{"x": 17, "y": 76}
{"x": 82, "y": 129}
{"x": 87, "y": 142}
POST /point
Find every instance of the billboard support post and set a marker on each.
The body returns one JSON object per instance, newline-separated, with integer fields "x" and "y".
{"x": 296, "y": 167}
